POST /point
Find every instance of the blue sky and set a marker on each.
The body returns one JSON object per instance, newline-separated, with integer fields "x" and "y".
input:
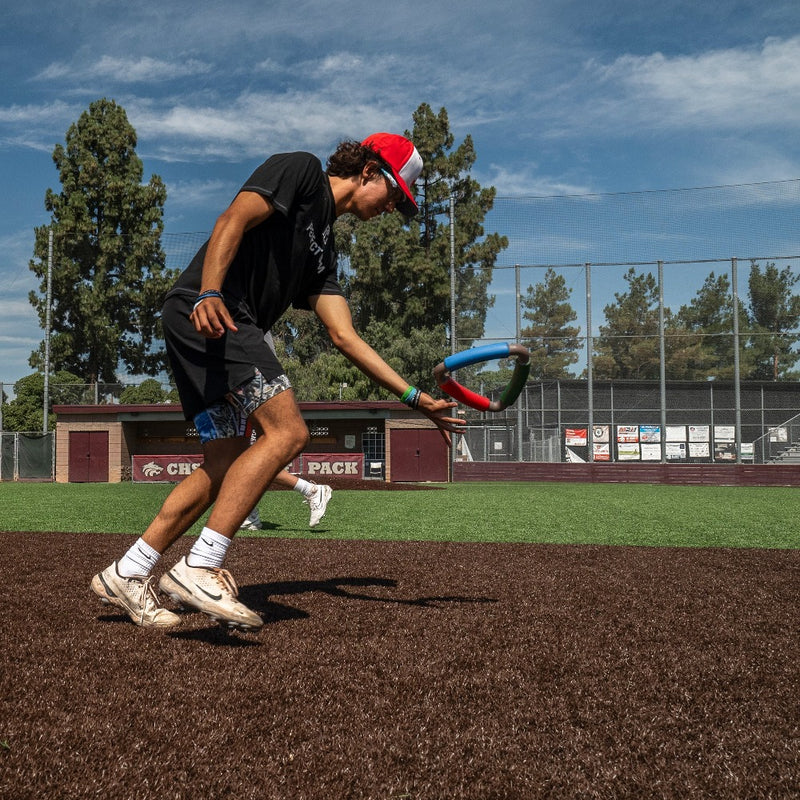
{"x": 561, "y": 98}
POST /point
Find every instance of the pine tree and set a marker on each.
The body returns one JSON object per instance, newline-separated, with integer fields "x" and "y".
{"x": 628, "y": 345}
{"x": 109, "y": 274}
{"x": 775, "y": 311}
{"x": 709, "y": 315}
{"x": 552, "y": 341}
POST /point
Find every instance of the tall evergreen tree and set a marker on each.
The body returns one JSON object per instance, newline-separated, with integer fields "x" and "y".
{"x": 775, "y": 311}
{"x": 709, "y": 315}
{"x": 109, "y": 274}
{"x": 553, "y": 342}
{"x": 628, "y": 345}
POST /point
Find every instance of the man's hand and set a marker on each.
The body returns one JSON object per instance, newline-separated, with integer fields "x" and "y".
{"x": 212, "y": 318}
{"x": 436, "y": 410}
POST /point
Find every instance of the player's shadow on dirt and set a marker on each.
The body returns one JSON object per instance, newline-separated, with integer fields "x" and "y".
{"x": 257, "y": 596}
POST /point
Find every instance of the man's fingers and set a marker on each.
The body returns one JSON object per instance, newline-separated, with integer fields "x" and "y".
{"x": 212, "y": 319}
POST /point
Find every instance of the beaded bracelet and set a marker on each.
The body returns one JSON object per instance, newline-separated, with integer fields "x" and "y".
{"x": 411, "y": 397}
{"x": 205, "y": 296}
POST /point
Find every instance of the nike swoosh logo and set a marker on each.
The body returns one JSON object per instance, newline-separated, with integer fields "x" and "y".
{"x": 108, "y": 589}
{"x": 209, "y": 595}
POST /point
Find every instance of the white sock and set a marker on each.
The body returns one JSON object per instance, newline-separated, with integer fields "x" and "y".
{"x": 209, "y": 550}
{"x": 305, "y": 488}
{"x": 139, "y": 560}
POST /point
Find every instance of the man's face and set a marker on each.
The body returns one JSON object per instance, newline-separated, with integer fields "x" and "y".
{"x": 378, "y": 193}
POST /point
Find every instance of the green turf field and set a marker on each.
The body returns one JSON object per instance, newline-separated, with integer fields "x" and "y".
{"x": 619, "y": 514}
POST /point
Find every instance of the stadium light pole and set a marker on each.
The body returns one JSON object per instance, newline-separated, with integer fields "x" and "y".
{"x": 452, "y": 271}
{"x": 518, "y": 304}
{"x": 589, "y": 364}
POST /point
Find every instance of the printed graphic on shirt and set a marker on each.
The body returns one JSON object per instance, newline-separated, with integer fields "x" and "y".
{"x": 316, "y": 249}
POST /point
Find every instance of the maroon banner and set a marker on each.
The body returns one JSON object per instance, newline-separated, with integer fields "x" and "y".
{"x": 342, "y": 465}
{"x": 173, "y": 469}
{"x": 163, "y": 469}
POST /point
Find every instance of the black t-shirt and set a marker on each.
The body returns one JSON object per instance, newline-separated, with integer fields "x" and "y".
{"x": 290, "y": 256}
{"x": 284, "y": 261}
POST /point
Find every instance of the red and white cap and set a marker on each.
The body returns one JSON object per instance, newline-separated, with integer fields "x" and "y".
{"x": 402, "y": 158}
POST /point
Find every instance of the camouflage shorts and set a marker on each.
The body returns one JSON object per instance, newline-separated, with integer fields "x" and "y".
{"x": 227, "y": 418}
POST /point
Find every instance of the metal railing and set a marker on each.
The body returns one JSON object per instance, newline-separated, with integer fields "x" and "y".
{"x": 780, "y": 444}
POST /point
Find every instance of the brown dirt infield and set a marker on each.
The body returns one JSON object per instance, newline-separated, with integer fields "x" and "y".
{"x": 408, "y": 670}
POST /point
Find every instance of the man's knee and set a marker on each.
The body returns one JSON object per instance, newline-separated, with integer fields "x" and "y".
{"x": 302, "y": 439}
{"x": 279, "y": 420}
{"x": 293, "y": 434}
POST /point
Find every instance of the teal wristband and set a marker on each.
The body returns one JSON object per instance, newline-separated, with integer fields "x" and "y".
{"x": 411, "y": 397}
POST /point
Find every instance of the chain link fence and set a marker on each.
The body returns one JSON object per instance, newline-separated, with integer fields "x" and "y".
{"x": 27, "y": 456}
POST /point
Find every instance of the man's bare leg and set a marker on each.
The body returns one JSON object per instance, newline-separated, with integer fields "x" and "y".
{"x": 282, "y": 435}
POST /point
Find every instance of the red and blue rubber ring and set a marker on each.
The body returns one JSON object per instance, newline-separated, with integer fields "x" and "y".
{"x": 476, "y": 355}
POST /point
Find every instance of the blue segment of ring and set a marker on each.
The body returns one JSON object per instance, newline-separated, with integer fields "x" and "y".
{"x": 486, "y": 352}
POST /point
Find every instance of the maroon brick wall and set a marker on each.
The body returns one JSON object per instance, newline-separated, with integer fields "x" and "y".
{"x": 683, "y": 474}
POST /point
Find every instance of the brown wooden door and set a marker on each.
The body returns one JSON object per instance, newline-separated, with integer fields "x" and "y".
{"x": 418, "y": 455}
{"x": 88, "y": 457}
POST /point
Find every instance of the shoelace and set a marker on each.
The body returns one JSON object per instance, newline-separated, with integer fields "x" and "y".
{"x": 148, "y": 599}
{"x": 225, "y": 581}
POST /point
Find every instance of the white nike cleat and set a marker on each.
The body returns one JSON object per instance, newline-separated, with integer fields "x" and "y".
{"x": 252, "y": 522}
{"x": 318, "y": 502}
{"x": 135, "y": 596}
{"x": 212, "y": 591}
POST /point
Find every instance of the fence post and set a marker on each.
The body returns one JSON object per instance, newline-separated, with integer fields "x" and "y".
{"x": 520, "y": 455}
{"x": 736, "y": 366}
{"x": 662, "y": 358}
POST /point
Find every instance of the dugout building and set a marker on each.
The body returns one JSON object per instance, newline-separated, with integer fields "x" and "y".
{"x": 154, "y": 443}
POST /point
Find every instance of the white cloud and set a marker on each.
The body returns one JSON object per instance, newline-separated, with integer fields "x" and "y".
{"x": 31, "y": 113}
{"x": 253, "y": 124}
{"x": 124, "y": 70}
{"x": 734, "y": 88}
{"x": 528, "y": 183}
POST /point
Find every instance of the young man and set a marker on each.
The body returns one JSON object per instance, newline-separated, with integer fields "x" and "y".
{"x": 273, "y": 247}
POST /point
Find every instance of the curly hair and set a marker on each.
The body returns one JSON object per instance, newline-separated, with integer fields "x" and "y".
{"x": 350, "y": 159}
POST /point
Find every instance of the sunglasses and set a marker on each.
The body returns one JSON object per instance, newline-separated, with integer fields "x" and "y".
{"x": 398, "y": 192}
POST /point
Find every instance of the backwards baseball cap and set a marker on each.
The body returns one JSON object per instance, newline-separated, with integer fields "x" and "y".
{"x": 405, "y": 163}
